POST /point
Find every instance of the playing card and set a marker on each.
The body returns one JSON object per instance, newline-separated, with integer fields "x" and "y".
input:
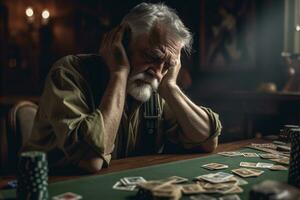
{"x": 278, "y": 167}
{"x": 120, "y": 186}
{"x": 264, "y": 165}
{"x": 177, "y": 179}
{"x": 233, "y": 190}
{"x": 230, "y": 153}
{"x": 213, "y": 166}
{"x": 219, "y": 185}
{"x": 240, "y": 181}
{"x": 67, "y": 196}
{"x": 285, "y": 160}
{"x": 250, "y": 155}
{"x": 256, "y": 171}
{"x": 216, "y": 177}
{"x": 248, "y": 164}
{"x": 132, "y": 180}
{"x": 244, "y": 172}
{"x": 268, "y": 156}
{"x": 192, "y": 189}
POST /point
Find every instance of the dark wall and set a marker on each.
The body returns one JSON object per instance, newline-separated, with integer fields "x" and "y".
{"x": 77, "y": 27}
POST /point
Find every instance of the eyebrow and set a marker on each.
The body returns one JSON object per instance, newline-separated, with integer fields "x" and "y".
{"x": 158, "y": 54}
{"x": 155, "y": 54}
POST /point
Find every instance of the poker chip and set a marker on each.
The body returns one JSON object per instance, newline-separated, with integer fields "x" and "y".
{"x": 285, "y": 133}
{"x": 294, "y": 168}
{"x": 32, "y": 176}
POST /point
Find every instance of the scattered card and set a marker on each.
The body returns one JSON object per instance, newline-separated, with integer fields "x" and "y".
{"x": 285, "y": 160}
{"x": 120, "y": 186}
{"x": 214, "y": 166}
{"x": 132, "y": 180}
{"x": 216, "y": 177}
{"x": 230, "y": 153}
{"x": 250, "y": 155}
{"x": 278, "y": 167}
{"x": 244, "y": 172}
{"x": 268, "y": 156}
{"x": 192, "y": 189}
{"x": 248, "y": 164}
{"x": 264, "y": 165}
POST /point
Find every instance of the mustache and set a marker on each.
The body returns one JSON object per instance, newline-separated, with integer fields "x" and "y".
{"x": 153, "y": 82}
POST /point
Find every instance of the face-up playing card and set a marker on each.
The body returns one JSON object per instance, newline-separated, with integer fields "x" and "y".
{"x": 230, "y": 153}
{"x": 282, "y": 160}
{"x": 67, "y": 196}
{"x": 213, "y": 166}
{"x": 216, "y": 177}
{"x": 268, "y": 156}
{"x": 119, "y": 186}
{"x": 244, "y": 172}
{"x": 132, "y": 180}
{"x": 192, "y": 189}
{"x": 248, "y": 164}
{"x": 250, "y": 155}
{"x": 278, "y": 167}
{"x": 264, "y": 165}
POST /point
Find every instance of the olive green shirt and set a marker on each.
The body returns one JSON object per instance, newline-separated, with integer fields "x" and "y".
{"x": 69, "y": 123}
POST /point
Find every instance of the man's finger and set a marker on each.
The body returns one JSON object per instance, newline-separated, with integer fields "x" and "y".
{"x": 121, "y": 32}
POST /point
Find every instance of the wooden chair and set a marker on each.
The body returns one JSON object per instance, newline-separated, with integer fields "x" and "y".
{"x": 19, "y": 123}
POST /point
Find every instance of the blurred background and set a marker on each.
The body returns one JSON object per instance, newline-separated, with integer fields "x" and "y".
{"x": 243, "y": 65}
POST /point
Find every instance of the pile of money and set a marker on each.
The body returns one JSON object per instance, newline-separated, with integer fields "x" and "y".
{"x": 172, "y": 188}
{"x": 32, "y": 176}
{"x": 221, "y": 182}
{"x": 159, "y": 190}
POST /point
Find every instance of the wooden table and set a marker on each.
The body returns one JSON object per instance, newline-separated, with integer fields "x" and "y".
{"x": 143, "y": 161}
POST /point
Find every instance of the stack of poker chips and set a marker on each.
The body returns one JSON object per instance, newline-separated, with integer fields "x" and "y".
{"x": 32, "y": 176}
{"x": 294, "y": 168}
{"x": 285, "y": 133}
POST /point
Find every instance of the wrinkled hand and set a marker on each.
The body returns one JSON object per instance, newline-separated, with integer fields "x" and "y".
{"x": 113, "y": 51}
{"x": 170, "y": 78}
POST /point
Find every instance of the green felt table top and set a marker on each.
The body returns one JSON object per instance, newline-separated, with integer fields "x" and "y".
{"x": 100, "y": 186}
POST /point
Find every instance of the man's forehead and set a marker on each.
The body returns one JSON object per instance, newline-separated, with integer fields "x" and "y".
{"x": 160, "y": 38}
{"x": 157, "y": 42}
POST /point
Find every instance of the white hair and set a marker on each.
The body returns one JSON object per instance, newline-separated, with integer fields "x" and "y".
{"x": 144, "y": 16}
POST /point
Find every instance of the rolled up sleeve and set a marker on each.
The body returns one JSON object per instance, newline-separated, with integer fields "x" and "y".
{"x": 78, "y": 126}
{"x": 175, "y": 136}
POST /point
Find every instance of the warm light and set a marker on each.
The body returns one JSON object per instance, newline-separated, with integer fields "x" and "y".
{"x": 298, "y": 28}
{"x": 45, "y": 14}
{"x": 29, "y": 12}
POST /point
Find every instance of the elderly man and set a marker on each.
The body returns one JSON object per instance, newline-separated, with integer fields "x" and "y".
{"x": 124, "y": 101}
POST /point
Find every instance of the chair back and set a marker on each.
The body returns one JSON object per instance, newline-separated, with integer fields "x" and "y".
{"x": 19, "y": 123}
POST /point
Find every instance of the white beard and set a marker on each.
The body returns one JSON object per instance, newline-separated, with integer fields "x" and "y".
{"x": 141, "y": 91}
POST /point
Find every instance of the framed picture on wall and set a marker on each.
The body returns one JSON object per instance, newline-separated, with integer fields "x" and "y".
{"x": 227, "y": 35}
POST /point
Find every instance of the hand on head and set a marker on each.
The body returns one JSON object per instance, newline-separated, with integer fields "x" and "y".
{"x": 113, "y": 51}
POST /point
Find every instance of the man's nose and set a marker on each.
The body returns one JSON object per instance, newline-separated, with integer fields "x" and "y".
{"x": 157, "y": 71}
